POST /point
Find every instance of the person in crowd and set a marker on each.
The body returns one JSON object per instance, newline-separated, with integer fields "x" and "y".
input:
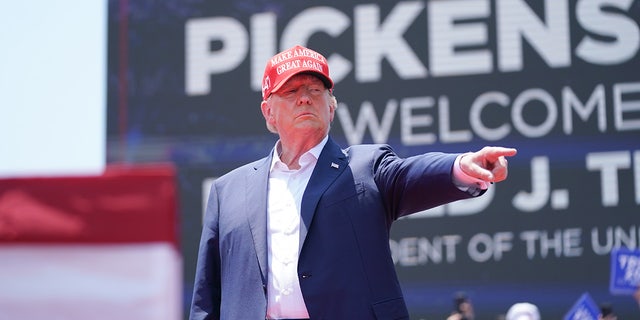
{"x": 462, "y": 308}
{"x": 606, "y": 312}
{"x": 523, "y": 311}
{"x": 304, "y": 232}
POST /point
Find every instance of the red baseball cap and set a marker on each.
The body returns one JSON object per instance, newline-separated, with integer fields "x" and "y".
{"x": 290, "y": 62}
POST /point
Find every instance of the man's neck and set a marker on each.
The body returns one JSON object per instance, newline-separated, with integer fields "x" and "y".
{"x": 290, "y": 151}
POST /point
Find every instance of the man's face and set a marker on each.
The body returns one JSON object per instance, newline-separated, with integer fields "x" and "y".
{"x": 302, "y": 106}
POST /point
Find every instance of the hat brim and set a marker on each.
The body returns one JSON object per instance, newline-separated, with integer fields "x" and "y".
{"x": 328, "y": 83}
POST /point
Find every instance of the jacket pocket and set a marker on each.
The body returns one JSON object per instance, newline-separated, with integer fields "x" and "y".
{"x": 338, "y": 195}
{"x": 393, "y": 309}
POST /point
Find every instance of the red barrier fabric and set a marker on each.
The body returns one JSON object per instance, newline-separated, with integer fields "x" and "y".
{"x": 125, "y": 204}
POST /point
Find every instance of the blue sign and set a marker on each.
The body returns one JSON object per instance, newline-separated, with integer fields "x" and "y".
{"x": 584, "y": 309}
{"x": 625, "y": 271}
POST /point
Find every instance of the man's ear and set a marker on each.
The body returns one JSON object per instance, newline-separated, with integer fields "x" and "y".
{"x": 333, "y": 105}
{"x": 266, "y": 110}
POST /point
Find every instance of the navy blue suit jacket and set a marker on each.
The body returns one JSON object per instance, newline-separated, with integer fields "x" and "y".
{"x": 345, "y": 267}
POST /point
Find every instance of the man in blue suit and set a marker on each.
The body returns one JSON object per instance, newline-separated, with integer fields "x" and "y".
{"x": 304, "y": 232}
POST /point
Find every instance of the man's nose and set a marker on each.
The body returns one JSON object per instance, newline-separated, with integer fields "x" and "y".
{"x": 305, "y": 96}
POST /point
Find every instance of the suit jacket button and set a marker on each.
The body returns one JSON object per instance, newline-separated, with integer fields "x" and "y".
{"x": 306, "y": 276}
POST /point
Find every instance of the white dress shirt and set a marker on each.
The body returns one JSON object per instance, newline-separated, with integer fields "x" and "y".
{"x": 285, "y": 190}
{"x": 286, "y": 187}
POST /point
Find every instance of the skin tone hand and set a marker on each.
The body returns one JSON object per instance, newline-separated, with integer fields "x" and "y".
{"x": 488, "y": 164}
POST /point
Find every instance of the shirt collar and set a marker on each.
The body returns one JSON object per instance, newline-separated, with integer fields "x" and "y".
{"x": 315, "y": 152}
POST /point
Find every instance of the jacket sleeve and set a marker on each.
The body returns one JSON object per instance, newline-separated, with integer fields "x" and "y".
{"x": 413, "y": 184}
{"x": 207, "y": 293}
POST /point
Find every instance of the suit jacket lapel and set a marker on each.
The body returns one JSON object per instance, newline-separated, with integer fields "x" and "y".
{"x": 256, "y": 204}
{"x": 330, "y": 165}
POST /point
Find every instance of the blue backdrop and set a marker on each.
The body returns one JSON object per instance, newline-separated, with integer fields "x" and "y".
{"x": 556, "y": 79}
